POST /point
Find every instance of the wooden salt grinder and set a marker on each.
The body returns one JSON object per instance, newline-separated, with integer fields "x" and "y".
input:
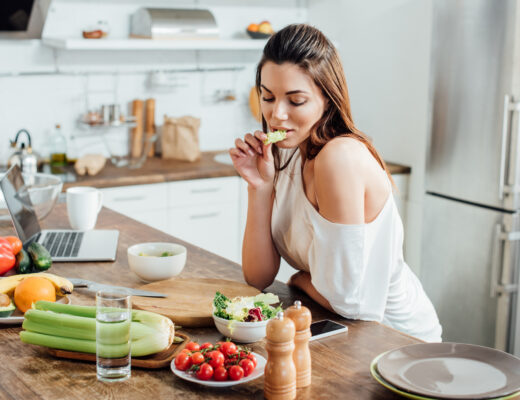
{"x": 280, "y": 372}
{"x": 302, "y": 319}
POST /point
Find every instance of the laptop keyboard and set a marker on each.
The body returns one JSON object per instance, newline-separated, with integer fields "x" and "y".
{"x": 63, "y": 244}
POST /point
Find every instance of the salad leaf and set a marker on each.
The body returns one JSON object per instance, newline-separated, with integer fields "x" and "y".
{"x": 219, "y": 305}
{"x": 276, "y": 136}
{"x": 252, "y": 308}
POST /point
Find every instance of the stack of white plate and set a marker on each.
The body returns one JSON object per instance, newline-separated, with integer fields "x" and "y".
{"x": 448, "y": 371}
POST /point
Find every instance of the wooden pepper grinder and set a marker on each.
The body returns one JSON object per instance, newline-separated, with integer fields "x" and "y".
{"x": 302, "y": 319}
{"x": 280, "y": 372}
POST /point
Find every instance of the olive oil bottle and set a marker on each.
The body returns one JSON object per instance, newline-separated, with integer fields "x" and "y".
{"x": 58, "y": 155}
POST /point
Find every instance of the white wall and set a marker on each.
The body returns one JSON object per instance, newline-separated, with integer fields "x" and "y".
{"x": 34, "y": 96}
{"x": 385, "y": 49}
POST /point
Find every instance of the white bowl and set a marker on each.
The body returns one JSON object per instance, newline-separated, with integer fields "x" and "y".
{"x": 151, "y": 268}
{"x": 242, "y": 332}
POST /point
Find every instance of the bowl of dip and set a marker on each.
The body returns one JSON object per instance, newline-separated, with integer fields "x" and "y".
{"x": 156, "y": 261}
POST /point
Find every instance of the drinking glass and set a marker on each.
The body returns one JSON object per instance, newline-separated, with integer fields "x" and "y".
{"x": 113, "y": 319}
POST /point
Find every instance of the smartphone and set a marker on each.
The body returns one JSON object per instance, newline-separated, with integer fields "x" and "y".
{"x": 326, "y": 327}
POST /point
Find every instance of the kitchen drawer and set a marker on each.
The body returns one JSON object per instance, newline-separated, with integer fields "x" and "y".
{"x": 203, "y": 191}
{"x": 137, "y": 197}
{"x": 157, "y": 219}
{"x": 213, "y": 227}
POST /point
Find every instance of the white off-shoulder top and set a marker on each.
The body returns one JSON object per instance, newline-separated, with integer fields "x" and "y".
{"x": 359, "y": 269}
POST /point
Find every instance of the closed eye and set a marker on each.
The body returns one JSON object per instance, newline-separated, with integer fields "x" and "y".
{"x": 268, "y": 100}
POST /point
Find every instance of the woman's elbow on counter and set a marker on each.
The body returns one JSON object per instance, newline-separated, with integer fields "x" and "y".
{"x": 257, "y": 282}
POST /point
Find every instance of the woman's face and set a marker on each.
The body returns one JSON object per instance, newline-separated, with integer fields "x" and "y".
{"x": 290, "y": 100}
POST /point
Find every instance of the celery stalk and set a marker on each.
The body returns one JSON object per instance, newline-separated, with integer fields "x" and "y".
{"x": 84, "y": 346}
{"x": 73, "y": 328}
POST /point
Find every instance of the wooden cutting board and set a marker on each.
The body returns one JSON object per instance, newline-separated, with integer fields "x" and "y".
{"x": 190, "y": 301}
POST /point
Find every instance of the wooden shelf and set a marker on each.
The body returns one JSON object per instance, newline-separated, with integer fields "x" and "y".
{"x": 147, "y": 44}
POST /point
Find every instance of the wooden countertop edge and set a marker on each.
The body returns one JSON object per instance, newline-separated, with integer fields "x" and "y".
{"x": 157, "y": 170}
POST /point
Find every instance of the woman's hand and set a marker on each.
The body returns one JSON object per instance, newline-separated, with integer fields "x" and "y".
{"x": 253, "y": 160}
{"x": 301, "y": 280}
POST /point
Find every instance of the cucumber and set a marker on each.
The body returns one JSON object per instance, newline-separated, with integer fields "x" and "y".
{"x": 23, "y": 263}
{"x": 40, "y": 257}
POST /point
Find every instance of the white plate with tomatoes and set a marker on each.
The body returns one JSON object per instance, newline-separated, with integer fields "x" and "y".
{"x": 216, "y": 366}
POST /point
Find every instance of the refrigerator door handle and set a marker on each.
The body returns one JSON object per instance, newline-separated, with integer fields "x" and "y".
{"x": 509, "y": 106}
{"x": 498, "y": 286}
{"x": 495, "y": 260}
{"x": 505, "y": 129}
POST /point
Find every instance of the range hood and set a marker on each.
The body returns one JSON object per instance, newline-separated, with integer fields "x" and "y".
{"x": 173, "y": 23}
{"x": 22, "y": 19}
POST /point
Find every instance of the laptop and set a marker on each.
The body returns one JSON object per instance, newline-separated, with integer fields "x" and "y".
{"x": 62, "y": 244}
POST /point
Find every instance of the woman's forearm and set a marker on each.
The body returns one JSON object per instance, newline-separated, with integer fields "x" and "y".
{"x": 302, "y": 280}
{"x": 260, "y": 259}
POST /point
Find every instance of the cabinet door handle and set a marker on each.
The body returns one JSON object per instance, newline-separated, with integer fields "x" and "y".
{"x": 130, "y": 198}
{"x": 207, "y": 215}
{"x": 205, "y": 190}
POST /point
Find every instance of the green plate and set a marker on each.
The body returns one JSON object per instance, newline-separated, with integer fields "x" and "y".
{"x": 380, "y": 380}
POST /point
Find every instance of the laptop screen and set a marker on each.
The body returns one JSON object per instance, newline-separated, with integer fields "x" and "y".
{"x": 19, "y": 204}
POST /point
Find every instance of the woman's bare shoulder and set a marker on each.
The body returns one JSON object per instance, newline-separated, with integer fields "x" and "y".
{"x": 340, "y": 180}
{"x": 343, "y": 153}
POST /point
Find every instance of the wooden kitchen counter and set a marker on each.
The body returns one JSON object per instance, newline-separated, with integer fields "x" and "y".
{"x": 340, "y": 364}
{"x": 157, "y": 170}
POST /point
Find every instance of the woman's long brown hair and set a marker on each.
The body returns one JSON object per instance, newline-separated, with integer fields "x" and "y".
{"x": 310, "y": 49}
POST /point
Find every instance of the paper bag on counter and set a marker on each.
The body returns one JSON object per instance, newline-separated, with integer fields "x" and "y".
{"x": 180, "y": 138}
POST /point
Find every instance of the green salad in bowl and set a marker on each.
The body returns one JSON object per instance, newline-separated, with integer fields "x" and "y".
{"x": 244, "y": 319}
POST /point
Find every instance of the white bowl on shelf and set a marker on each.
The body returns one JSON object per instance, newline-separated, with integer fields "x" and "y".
{"x": 145, "y": 261}
{"x": 242, "y": 332}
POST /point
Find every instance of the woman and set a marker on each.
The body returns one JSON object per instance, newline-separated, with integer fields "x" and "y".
{"x": 322, "y": 197}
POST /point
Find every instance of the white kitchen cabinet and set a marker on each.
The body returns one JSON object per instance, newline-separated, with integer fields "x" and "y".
{"x": 214, "y": 227}
{"x": 204, "y": 212}
{"x": 145, "y": 203}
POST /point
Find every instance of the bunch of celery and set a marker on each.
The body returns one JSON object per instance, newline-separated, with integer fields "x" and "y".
{"x": 71, "y": 327}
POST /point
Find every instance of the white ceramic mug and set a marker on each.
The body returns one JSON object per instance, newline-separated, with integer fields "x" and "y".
{"x": 83, "y": 205}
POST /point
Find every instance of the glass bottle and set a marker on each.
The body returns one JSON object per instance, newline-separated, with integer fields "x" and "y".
{"x": 58, "y": 154}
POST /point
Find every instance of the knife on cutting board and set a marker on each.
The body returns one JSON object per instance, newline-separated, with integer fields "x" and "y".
{"x": 94, "y": 287}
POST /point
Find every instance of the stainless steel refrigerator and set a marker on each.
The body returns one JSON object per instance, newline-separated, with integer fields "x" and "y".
{"x": 471, "y": 230}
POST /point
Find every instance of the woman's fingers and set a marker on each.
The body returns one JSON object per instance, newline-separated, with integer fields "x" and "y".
{"x": 261, "y": 136}
{"x": 255, "y": 143}
{"x": 236, "y": 153}
{"x": 244, "y": 147}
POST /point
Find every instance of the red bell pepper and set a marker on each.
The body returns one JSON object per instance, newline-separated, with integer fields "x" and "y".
{"x": 7, "y": 257}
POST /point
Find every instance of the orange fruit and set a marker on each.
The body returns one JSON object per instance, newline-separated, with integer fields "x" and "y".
{"x": 252, "y": 28}
{"x": 31, "y": 290}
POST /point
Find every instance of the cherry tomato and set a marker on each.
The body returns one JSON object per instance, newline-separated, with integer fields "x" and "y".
{"x": 247, "y": 365}
{"x": 182, "y": 361}
{"x": 228, "y": 348}
{"x": 15, "y": 243}
{"x": 193, "y": 346}
{"x": 206, "y": 345}
{"x": 216, "y": 358}
{"x": 197, "y": 358}
{"x": 235, "y": 372}
{"x": 185, "y": 350}
{"x": 205, "y": 372}
{"x": 252, "y": 357}
{"x": 220, "y": 374}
